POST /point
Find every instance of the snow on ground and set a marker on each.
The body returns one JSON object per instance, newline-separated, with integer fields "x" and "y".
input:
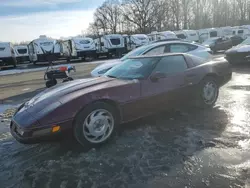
{"x": 18, "y": 71}
{"x": 4, "y": 107}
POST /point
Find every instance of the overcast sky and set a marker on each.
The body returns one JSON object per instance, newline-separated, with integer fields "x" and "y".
{"x": 22, "y": 20}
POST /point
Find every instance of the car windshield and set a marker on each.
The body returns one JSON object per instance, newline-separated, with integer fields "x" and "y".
{"x": 245, "y": 42}
{"x": 135, "y": 52}
{"x": 133, "y": 68}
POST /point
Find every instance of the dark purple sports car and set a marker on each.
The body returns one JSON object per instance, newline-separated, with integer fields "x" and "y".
{"x": 93, "y": 108}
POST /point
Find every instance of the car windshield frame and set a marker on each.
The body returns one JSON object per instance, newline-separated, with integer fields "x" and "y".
{"x": 146, "y": 64}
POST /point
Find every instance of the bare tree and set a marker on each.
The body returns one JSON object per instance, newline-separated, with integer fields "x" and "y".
{"x": 144, "y": 16}
{"x": 140, "y": 13}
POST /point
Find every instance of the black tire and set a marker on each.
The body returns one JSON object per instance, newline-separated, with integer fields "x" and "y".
{"x": 81, "y": 117}
{"x": 51, "y": 83}
{"x": 34, "y": 62}
{"x": 201, "y": 101}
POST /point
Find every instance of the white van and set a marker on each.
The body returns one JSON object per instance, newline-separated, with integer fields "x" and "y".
{"x": 44, "y": 49}
{"x": 189, "y": 35}
{"x": 109, "y": 45}
{"x": 22, "y": 53}
{"x": 205, "y": 34}
{"x": 135, "y": 41}
{"x": 7, "y": 54}
{"x": 154, "y": 36}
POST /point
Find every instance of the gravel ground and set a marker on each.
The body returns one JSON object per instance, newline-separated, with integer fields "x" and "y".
{"x": 191, "y": 148}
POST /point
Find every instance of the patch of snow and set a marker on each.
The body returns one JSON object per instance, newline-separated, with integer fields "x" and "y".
{"x": 18, "y": 71}
{"x": 4, "y": 107}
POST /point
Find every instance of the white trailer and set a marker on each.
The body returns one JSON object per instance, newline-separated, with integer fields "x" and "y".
{"x": 154, "y": 36}
{"x": 22, "y": 53}
{"x": 44, "y": 49}
{"x": 242, "y": 31}
{"x": 83, "y": 47}
{"x": 226, "y": 31}
{"x": 135, "y": 41}
{"x": 7, "y": 54}
{"x": 189, "y": 35}
{"x": 109, "y": 45}
{"x": 205, "y": 34}
{"x": 67, "y": 50}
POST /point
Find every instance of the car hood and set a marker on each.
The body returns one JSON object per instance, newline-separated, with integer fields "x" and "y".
{"x": 239, "y": 48}
{"x": 52, "y": 95}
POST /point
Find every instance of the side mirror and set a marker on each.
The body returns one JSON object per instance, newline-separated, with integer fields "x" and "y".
{"x": 156, "y": 76}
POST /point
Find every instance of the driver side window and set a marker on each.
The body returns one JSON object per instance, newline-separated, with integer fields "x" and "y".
{"x": 171, "y": 65}
{"x": 156, "y": 51}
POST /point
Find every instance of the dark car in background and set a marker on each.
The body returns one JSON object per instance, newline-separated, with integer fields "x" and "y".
{"x": 240, "y": 53}
{"x": 218, "y": 43}
{"x": 93, "y": 108}
{"x": 236, "y": 40}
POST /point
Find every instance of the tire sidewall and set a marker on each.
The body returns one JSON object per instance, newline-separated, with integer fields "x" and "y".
{"x": 82, "y": 115}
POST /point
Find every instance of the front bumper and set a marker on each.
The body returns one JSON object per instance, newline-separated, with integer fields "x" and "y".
{"x": 37, "y": 135}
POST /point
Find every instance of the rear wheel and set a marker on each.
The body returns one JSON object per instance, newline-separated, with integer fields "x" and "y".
{"x": 51, "y": 83}
{"x": 208, "y": 93}
{"x": 95, "y": 124}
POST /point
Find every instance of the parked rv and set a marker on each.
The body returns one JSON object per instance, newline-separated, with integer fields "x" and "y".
{"x": 7, "y": 54}
{"x": 82, "y": 47}
{"x": 241, "y": 31}
{"x": 189, "y": 35}
{"x": 21, "y": 53}
{"x": 44, "y": 49}
{"x": 154, "y": 36}
{"x": 205, "y": 34}
{"x": 225, "y": 31}
{"x": 67, "y": 51}
{"x": 109, "y": 45}
{"x": 135, "y": 41}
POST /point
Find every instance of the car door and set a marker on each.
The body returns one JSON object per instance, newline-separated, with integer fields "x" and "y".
{"x": 168, "y": 91}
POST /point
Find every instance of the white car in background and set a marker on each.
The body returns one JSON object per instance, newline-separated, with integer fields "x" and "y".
{"x": 158, "y": 48}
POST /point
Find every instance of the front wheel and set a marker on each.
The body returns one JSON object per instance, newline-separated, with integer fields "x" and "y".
{"x": 95, "y": 124}
{"x": 208, "y": 93}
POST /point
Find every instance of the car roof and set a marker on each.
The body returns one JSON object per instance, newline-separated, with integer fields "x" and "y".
{"x": 169, "y": 42}
{"x": 157, "y": 56}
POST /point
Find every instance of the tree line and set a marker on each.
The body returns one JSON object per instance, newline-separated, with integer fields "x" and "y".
{"x": 145, "y": 16}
